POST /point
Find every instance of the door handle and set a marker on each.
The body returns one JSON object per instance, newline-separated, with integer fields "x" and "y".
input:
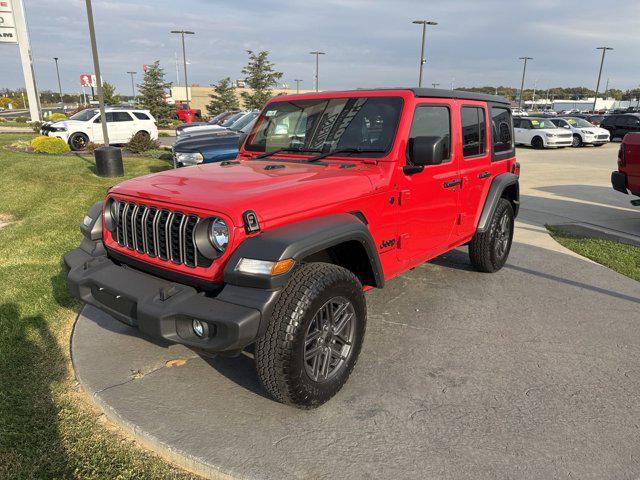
{"x": 484, "y": 175}
{"x": 452, "y": 183}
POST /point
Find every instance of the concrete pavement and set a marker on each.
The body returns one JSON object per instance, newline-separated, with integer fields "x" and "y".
{"x": 531, "y": 372}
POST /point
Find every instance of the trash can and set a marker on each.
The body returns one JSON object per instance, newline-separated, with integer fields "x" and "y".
{"x": 109, "y": 162}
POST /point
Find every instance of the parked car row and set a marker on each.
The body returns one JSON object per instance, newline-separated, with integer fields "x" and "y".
{"x": 541, "y": 132}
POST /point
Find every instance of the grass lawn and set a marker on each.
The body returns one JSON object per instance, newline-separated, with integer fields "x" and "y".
{"x": 13, "y": 123}
{"x": 48, "y": 428}
{"x": 624, "y": 259}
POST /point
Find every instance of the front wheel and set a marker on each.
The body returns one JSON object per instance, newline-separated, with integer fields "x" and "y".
{"x": 78, "y": 141}
{"x": 314, "y": 336}
{"x": 489, "y": 250}
{"x": 577, "y": 141}
{"x": 537, "y": 143}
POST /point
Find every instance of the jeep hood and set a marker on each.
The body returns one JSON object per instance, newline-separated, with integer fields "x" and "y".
{"x": 272, "y": 189}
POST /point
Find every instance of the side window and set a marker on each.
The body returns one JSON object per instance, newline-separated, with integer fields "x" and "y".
{"x": 122, "y": 117}
{"x": 473, "y": 131}
{"x": 108, "y": 116}
{"x": 516, "y": 123}
{"x": 432, "y": 121}
{"x": 502, "y": 137}
{"x": 141, "y": 116}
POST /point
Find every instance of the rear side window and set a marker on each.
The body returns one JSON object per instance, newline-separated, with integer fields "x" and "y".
{"x": 122, "y": 117}
{"x": 474, "y": 130}
{"x": 501, "y": 132}
{"x": 432, "y": 121}
{"x": 141, "y": 116}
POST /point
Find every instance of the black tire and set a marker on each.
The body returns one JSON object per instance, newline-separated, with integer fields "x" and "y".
{"x": 598, "y": 144}
{"x": 537, "y": 142}
{"x": 577, "y": 140}
{"x": 489, "y": 250}
{"x": 280, "y": 353}
{"x": 78, "y": 141}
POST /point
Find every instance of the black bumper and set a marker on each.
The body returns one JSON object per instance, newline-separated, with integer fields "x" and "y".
{"x": 164, "y": 309}
{"x": 619, "y": 182}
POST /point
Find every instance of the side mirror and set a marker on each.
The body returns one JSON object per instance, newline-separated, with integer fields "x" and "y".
{"x": 425, "y": 151}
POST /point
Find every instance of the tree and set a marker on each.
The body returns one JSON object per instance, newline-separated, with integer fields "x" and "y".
{"x": 223, "y": 98}
{"x": 153, "y": 92}
{"x": 109, "y": 92}
{"x": 260, "y": 76}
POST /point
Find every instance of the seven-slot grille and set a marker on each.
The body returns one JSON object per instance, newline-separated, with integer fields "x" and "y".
{"x": 165, "y": 234}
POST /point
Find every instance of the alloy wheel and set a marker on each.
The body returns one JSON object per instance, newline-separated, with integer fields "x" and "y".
{"x": 503, "y": 234}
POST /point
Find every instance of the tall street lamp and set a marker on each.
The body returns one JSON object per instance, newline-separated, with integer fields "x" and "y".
{"x": 524, "y": 71}
{"x": 423, "y": 60}
{"x": 184, "y": 60}
{"x": 317, "y": 54}
{"x": 297, "y": 80}
{"x": 133, "y": 87}
{"x": 604, "y": 51}
{"x": 59, "y": 84}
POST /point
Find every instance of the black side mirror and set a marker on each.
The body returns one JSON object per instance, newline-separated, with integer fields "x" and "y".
{"x": 425, "y": 151}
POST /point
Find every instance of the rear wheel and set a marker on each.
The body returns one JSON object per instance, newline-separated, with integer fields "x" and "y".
{"x": 537, "y": 143}
{"x": 577, "y": 140}
{"x": 314, "y": 337}
{"x": 489, "y": 250}
{"x": 78, "y": 141}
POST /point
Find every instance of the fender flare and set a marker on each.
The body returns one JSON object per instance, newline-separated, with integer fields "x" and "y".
{"x": 498, "y": 185}
{"x": 298, "y": 240}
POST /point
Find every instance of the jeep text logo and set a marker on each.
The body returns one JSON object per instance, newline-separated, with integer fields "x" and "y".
{"x": 387, "y": 243}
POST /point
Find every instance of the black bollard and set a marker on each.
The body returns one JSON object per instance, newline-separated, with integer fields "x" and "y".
{"x": 109, "y": 162}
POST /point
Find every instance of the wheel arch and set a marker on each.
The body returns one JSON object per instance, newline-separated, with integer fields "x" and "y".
{"x": 342, "y": 239}
{"x": 505, "y": 185}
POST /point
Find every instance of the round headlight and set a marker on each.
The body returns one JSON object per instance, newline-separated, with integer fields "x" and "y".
{"x": 111, "y": 214}
{"x": 219, "y": 234}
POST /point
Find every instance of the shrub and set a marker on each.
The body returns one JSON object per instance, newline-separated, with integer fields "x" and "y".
{"x": 44, "y": 144}
{"x": 2, "y": 119}
{"x": 141, "y": 142}
{"x": 56, "y": 116}
{"x": 21, "y": 119}
{"x": 35, "y": 126}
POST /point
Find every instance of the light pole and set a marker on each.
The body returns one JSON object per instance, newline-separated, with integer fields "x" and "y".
{"x": 317, "y": 54}
{"x": 59, "y": 84}
{"x": 524, "y": 71}
{"x": 423, "y": 60}
{"x": 184, "y": 59}
{"x": 604, "y": 51}
{"x": 297, "y": 80}
{"x": 133, "y": 87}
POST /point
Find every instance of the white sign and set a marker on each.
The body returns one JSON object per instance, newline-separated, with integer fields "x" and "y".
{"x": 8, "y": 35}
{"x": 6, "y": 20}
{"x": 5, "y": 6}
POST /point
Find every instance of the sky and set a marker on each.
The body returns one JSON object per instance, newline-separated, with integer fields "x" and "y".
{"x": 367, "y": 43}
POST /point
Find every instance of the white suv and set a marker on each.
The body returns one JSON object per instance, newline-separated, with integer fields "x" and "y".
{"x": 540, "y": 133}
{"x": 84, "y": 126}
{"x": 584, "y": 133}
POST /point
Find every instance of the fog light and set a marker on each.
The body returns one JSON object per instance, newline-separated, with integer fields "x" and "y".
{"x": 198, "y": 328}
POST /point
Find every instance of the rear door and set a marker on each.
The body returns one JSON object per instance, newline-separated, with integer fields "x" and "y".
{"x": 124, "y": 127}
{"x": 429, "y": 199}
{"x": 475, "y": 163}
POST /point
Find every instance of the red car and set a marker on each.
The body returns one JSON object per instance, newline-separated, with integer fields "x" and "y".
{"x": 627, "y": 178}
{"x": 186, "y": 114}
{"x": 331, "y": 194}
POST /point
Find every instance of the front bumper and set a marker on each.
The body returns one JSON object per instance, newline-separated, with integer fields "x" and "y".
{"x": 619, "y": 182}
{"x": 558, "y": 142}
{"x": 595, "y": 139}
{"x": 165, "y": 310}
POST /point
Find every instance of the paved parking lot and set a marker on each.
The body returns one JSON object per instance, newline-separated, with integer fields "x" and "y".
{"x": 528, "y": 373}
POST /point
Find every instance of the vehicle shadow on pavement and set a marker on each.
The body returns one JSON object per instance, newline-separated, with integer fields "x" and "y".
{"x": 31, "y": 364}
{"x": 240, "y": 370}
{"x": 588, "y": 193}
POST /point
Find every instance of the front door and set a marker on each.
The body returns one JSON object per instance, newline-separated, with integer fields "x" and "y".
{"x": 112, "y": 129}
{"x": 429, "y": 199}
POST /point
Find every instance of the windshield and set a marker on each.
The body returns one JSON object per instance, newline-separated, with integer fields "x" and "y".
{"x": 325, "y": 124}
{"x": 84, "y": 115}
{"x": 579, "y": 122}
{"x": 229, "y": 121}
{"x": 242, "y": 121}
{"x": 538, "y": 123}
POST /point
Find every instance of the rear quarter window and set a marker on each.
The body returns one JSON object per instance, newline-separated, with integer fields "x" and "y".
{"x": 141, "y": 116}
{"x": 501, "y": 133}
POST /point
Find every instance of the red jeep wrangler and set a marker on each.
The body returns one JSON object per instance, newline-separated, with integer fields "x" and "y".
{"x": 186, "y": 114}
{"x": 627, "y": 178}
{"x": 331, "y": 194}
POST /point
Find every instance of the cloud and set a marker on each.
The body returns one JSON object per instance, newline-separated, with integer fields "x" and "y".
{"x": 368, "y": 43}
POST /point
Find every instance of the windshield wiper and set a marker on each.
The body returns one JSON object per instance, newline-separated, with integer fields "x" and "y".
{"x": 282, "y": 150}
{"x": 344, "y": 150}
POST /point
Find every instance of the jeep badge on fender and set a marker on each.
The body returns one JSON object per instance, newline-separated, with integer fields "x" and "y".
{"x": 276, "y": 249}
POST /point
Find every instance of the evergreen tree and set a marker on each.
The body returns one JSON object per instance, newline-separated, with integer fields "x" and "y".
{"x": 153, "y": 92}
{"x": 224, "y": 98}
{"x": 260, "y": 76}
{"x": 109, "y": 92}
